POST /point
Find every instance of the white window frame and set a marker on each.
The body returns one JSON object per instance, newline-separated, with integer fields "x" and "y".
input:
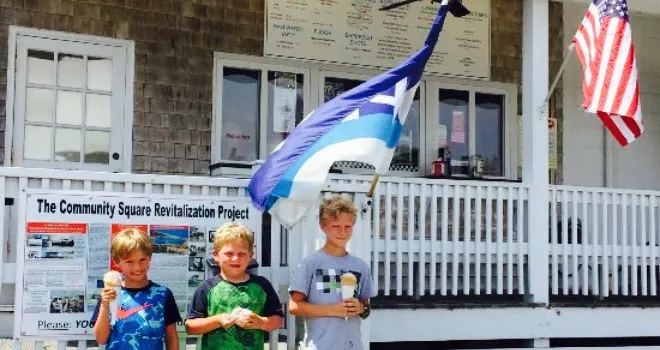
{"x": 249, "y": 63}
{"x": 509, "y": 125}
{"x": 314, "y": 77}
{"x": 95, "y": 43}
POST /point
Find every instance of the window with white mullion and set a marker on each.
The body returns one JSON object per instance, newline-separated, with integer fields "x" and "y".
{"x": 258, "y": 107}
{"x": 263, "y": 122}
{"x": 70, "y": 102}
{"x": 83, "y": 132}
{"x": 472, "y": 125}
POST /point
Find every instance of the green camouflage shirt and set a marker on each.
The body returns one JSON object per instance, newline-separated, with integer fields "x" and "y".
{"x": 216, "y": 296}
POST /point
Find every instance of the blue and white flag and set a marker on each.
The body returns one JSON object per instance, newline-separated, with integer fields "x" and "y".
{"x": 363, "y": 124}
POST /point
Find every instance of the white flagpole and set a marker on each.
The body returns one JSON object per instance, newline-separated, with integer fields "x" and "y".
{"x": 544, "y": 106}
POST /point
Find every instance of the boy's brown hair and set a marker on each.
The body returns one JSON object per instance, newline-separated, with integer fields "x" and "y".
{"x": 332, "y": 207}
{"x": 128, "y": 240}
{"x": 232, "y": 232}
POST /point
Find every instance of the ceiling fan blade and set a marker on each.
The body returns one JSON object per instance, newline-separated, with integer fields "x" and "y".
{"x": 397, "y": 4}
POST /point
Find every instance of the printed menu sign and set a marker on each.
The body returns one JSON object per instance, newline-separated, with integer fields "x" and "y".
{"x": 356, "y": 32}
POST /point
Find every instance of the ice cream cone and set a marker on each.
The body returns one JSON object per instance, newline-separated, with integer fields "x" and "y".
{"x": 348, "y": 286}
{"x": 112, "y": 279}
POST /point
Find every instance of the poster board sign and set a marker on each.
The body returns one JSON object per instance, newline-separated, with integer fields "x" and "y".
{"x": 356, "y": 32}
{"x": 64, "y": 250}
{"x": 552, "y": 144}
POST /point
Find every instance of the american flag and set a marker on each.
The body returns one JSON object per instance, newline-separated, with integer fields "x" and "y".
{"x": 604, "y": 45}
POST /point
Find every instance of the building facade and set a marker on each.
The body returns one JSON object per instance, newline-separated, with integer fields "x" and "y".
{"x": 175, "y": 87}
{"x": 172, "y": 49}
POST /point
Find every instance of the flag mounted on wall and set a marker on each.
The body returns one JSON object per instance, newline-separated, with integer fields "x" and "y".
{"x": 604, "y": 45}
{"x": 363, "y": 124}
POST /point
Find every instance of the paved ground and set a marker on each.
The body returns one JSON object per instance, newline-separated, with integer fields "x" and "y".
{"x": 6, "y": 344}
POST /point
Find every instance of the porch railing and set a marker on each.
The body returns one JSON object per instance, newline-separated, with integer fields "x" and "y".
{"x": 433, "y": 237}
{"x": 604, "y": 242}
{"x": 445, "y": 237}
{"x": 458, "y": 238}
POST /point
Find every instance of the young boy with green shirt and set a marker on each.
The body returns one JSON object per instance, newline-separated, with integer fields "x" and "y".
{"x": 233, "y": 308}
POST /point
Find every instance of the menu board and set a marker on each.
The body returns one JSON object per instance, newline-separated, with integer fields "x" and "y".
{"x": 356, "y": 32}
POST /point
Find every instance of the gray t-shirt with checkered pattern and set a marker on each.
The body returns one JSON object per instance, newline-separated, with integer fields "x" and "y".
{"x": 318, "y": 277}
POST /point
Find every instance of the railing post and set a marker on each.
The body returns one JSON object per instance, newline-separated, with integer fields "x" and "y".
{"x": 535, "y": 145}
{"x": 361, "y": 247}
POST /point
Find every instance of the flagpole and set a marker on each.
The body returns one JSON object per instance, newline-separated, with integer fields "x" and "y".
{"x": 372, "y": 188}
{"x": 571, "y": 48}
{"x": 370, "y": 194}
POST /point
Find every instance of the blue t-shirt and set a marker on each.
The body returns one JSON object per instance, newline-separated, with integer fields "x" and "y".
{"x": 142, "y": 315}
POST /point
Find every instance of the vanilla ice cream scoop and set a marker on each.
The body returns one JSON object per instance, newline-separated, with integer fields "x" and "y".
{"x": 348, "y": 286}
{"x": 348, "y": 279}
{"x": 112, "y": 279}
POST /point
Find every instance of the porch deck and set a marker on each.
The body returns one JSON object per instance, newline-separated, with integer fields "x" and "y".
{"x": 441, "y": 244}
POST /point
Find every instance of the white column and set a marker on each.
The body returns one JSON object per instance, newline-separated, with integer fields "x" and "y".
{"x": 535, "y": 142}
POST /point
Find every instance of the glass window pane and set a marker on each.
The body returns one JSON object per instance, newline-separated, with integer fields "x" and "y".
{"x": 67, "y": 145}
{"x": 453, "y": 129}
{"x": 70, "y": 70}
{"x": 38, "y": 142}
{"x": 333, "y": 87}
{"x": 99, "y": 73}
{"x": 69, "y": 108}
{"x": 39, "y": 105}
{"x": 97, "y": 147}
{"x": 489, "y": 132}
{"x": 98, "y": 111}
{"x": 240, "y": 114}
{"x": 406, "y": 154}
{"x": 40, "y": 67}
{"x": 285, "y": 106}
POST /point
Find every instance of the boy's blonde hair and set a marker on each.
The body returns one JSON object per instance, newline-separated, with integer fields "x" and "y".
{"x": 332, "y": 207}
{"x": 128, "y": 240}
{"x": 232, "y": 232}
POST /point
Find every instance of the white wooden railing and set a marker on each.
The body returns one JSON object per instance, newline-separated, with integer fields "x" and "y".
{"x": 430, "y": 237}
{"x": 613, "y": 250}
{"x": 442, "y": 237}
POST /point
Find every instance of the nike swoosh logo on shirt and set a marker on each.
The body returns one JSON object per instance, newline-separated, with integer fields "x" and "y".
{"x": 122, "y": 314}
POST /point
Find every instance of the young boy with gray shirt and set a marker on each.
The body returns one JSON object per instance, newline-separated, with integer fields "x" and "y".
{"x": 330, "y": 322}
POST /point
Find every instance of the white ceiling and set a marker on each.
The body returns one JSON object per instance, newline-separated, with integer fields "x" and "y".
{"x": 637, "y": 7}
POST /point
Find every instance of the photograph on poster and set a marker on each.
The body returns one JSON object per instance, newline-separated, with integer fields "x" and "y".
{"x": 94, "y": 289}
{"x": 196, "y": 264}
{"x": 197, "y": 250}
{"x": 196, "y": 234}
{"x": 61, "y": 246}
{"x": 170, "y": 239}
{"x": 212, "y": 234}
{"x": 67, "y": 301}
{"x": 194, "y": 279}
{"x": 37, "y": 240}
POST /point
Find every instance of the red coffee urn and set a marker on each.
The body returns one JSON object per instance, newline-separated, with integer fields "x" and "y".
{"x": 439, "y": 166}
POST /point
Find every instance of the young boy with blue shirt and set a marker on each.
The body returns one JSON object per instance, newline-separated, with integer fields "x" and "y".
{"x": 147, "y": 313}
